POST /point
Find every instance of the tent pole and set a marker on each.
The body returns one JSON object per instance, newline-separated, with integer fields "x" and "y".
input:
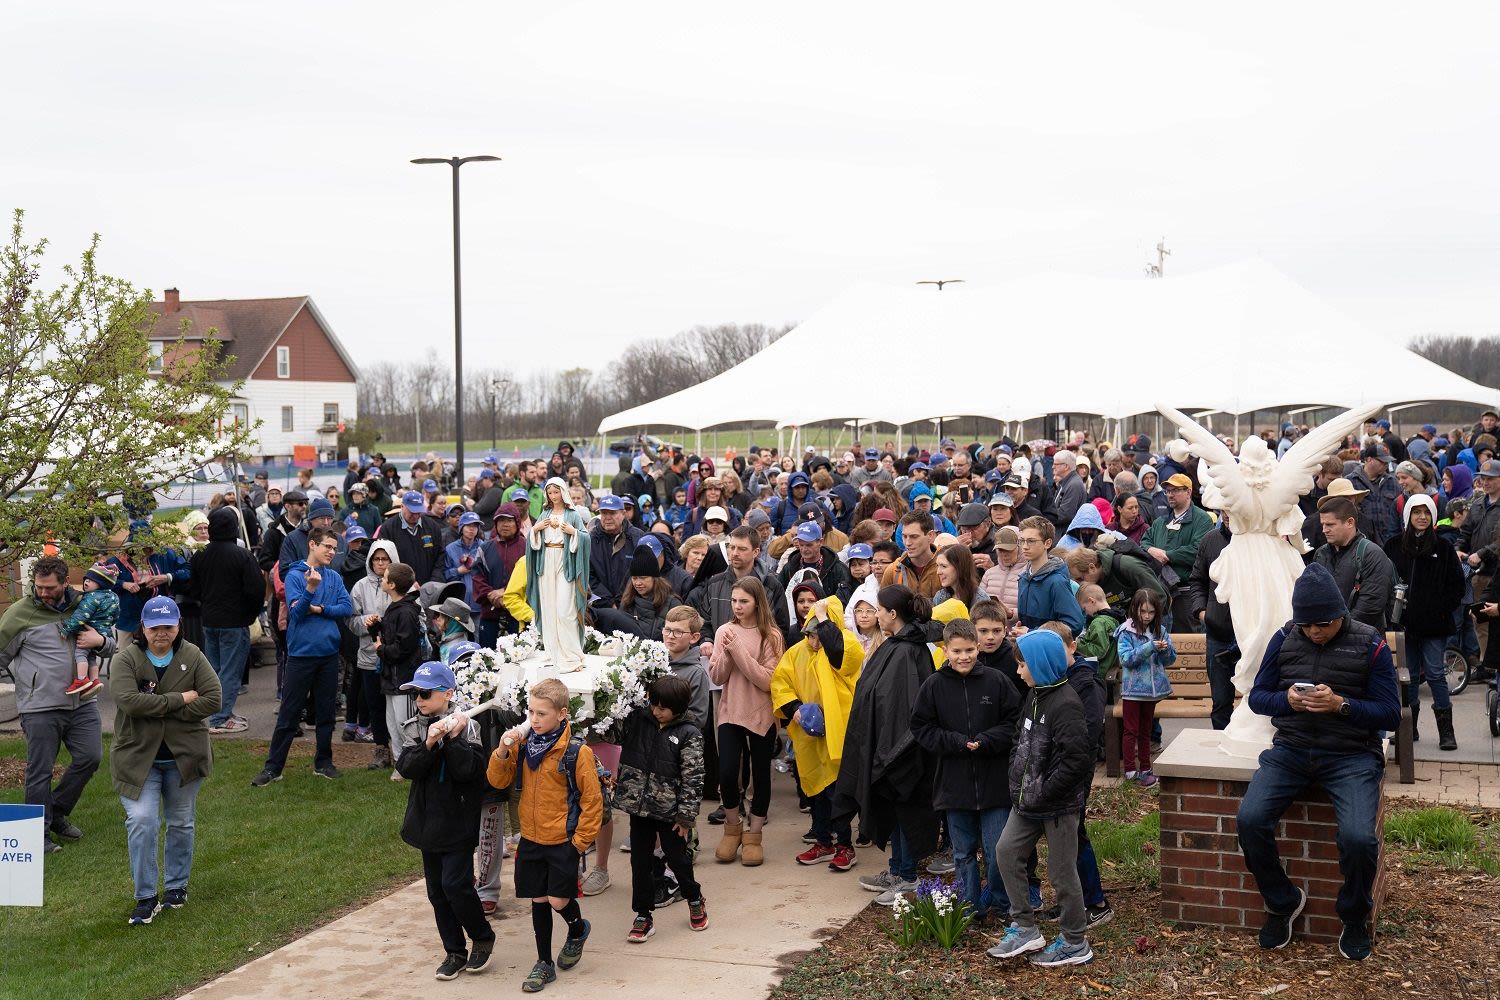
{"x": 698, "y": 441}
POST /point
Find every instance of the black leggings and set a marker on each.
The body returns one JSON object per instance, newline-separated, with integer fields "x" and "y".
{"x": 734, "y": 742}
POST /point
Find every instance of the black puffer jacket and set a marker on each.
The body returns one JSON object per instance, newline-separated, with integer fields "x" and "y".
{"x": 231, "y": 590}
{"x": 401, "y": 630}
{"x": 1200, "y": 587}
{"x": 447, "y": 786}
{"x": 955, "y": 709}
{"x": 1053, "y": 758}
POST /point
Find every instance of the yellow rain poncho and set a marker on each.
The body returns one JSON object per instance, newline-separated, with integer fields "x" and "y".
{"x": 807, "y": 676}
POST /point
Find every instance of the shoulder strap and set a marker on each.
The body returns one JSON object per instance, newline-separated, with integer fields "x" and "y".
{"x": 568, "y": 764}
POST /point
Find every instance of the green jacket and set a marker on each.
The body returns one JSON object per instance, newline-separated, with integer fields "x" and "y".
{"x": 1181, "y": 546}
{"x": 1121, "y": 576}
{"x": 1098, "y": 641}
{"x": 148, "y": 714}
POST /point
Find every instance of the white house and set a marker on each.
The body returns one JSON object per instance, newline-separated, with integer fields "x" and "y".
{"x": 298, "y": 379}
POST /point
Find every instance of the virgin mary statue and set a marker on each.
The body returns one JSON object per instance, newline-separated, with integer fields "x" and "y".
{"x": 557, "y": 577}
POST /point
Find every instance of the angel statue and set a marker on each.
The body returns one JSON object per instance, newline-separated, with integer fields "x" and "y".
{"x": 557, "y": 577}
{"x": 1255, "y": 572}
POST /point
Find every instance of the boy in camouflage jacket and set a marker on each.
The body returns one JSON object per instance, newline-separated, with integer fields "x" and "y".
{"x": 660, "y": 785}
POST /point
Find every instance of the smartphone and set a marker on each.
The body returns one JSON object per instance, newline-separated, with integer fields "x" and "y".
{"x": 1302, "y": 687}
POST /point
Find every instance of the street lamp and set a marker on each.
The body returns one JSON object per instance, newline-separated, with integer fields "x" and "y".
{"x": 458, "y": 310}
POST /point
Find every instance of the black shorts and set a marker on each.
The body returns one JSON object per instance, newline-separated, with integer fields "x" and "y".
{"x": 546, "y": 870}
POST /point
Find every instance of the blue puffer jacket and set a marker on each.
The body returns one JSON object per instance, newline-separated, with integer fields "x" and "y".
{"x": 1143, "y": 667}
{"x": 786, "y": 519}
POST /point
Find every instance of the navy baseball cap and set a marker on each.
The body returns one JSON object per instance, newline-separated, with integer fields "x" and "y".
{"x": 920, "y": 465}
{"x": 859, "y": 550}
{"x": 994, "y": 476}
{"x": 430, "y": 676}
{"x": 469, "y": 517}
{"x": 160, "y": 611}
{"x": 486, "y": 473}
{"x": 872, "y": 453}
{"x": 611, "y": 502}
{"x": 808, "y": 531}
{"x": 412, "y": 501}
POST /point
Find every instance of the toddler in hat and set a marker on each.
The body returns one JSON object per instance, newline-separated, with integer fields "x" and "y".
{"x": 99, "y": 609}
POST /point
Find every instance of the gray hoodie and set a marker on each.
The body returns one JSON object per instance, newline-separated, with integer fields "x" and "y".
{"x": 369, "y": 599}
{"x": 39, "y": 655}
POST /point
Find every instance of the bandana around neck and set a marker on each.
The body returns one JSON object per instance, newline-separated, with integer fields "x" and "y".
{"x": 537, "y": 745}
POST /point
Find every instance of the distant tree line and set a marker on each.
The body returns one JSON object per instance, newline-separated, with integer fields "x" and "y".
{"x": 411, "y": 401}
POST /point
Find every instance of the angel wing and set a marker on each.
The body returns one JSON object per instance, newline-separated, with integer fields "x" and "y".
{"x": 1294, "y": 473}
{"x": 1224, "y": 472}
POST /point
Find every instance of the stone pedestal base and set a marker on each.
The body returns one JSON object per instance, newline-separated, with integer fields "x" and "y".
{"x": 1203, "y": 877}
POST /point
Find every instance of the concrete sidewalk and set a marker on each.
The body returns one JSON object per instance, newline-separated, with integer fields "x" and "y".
{"x": 762, "y": 921}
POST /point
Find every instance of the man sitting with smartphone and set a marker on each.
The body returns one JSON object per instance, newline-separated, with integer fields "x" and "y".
{"x": 1328, "y": 683}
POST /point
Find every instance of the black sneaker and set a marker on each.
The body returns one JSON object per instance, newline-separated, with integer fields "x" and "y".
{"x": 809, "y": 837}
{"x": 479, "y": 955}
{"x": 541, "y": 974}
{"x": 50, "y": 846}
{"x": 1096, "y": 915}
{"x": 716, "y": 817}
{"x": 1354, "y": 942}
{"x": 326, "y": 771}
{"x": 863, "y": 841}
{"x": 264, "y": 778}
{"x": 451, "y": 967}
{"x": 349, "y": 735}
{"x": 63, "y": 830}
{"x": 175, "y": 899}
{"x": 1277, "y": 931}
{"x": 145, "y": 910}
{"x": 572, "y": 949}
{"x": 1051, "y": 914}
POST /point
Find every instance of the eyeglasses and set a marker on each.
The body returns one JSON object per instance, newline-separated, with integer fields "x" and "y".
{"x": 1316, "y": 624}
{"x": 1031, "y": 541}
{"x": 673, "y": 633}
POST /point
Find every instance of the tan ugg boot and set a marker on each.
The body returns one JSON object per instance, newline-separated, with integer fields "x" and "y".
{"x": 729, "y": 844}
{"x": 751, "y": 853}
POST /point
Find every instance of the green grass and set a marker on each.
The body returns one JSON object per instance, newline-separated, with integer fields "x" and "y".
{"x": 1445, "y": 837}
{"x": 269, "y": 864}
{"x": 1118, "y": 847}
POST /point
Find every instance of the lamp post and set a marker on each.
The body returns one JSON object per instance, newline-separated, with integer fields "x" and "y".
{"x": 458, "y": 310}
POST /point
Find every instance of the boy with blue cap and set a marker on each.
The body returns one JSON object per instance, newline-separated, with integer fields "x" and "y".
{"x": 442, "y": 758}
{"x": 1050, "y": 769}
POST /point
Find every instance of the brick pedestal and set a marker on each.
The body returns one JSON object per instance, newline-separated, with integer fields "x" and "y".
{"x": 1203, "y": 875}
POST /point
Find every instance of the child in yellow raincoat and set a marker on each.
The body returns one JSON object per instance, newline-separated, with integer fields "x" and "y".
{"x": 813, "y": 688}
{"x": 950, "y": 610}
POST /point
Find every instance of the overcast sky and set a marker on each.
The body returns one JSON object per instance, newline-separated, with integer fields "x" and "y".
{"x": 671, "y": 164}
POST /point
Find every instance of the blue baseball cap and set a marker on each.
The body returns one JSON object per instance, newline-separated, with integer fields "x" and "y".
{"x": 486, "y": 473}
{"x": 859, "y": 550}
{"x": 994, "y": 476}
{"x": 355, "y": 533}
{"x": 430, "y": 676}
{"x": 160, "y": 611}
{"x": 919, "y": 492}
{"x": 429, "y": 486}
{"x": 492, "y": 459}
{"x": 810, "y": 718}
{"x": 519, "y": 493}
{"x": 412, "y": 501}
{"x": 461, "y": 651}
{"x": 470, "y": 517}
{"x": 611, "y": 502}
{"x": 1429, "y": 428}
{"x": 872, "y": 453}
{"x": 808, "y": 531}
{"x": 1383, "y": 424}
{"x": 920, "y": 465}
{"x": 650, "y": 542}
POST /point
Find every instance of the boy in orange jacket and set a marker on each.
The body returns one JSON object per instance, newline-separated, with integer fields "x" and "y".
{"x": 561, "y": 808}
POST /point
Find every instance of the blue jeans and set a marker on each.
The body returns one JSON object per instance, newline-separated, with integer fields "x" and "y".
{"x": 226, "y": 649}
{"x": 163, "y": 796}
{"x": 1220, "y": 681}
{"x": 1427, "y": 664}
{"x": 971, "y": 830}
{"x": 1088, "y": 867}
{"x": 903, "y": 865}
{"x": 1352, "y": 781}
{"x": 1466, "y": 638}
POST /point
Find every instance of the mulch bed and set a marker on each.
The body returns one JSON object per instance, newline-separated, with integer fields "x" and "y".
{"x": 1435, "y": 938}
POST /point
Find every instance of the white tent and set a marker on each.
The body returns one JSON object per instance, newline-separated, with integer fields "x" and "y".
{"x": 1233, "y": 340}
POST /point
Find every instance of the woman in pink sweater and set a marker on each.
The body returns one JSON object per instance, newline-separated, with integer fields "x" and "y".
{"x": 745, "y": 655}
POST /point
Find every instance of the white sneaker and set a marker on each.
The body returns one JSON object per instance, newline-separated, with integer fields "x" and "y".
{"x": 595, "y": 882}
{"x": 396, "y": 775}
{"x": 878, "y": 882}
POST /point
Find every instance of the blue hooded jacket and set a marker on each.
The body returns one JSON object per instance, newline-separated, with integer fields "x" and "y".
{"x": 1048, "y": 595}
{"x": 1463, "y": 480}
{"x": 308, "y": 634}
{"x": 849, "y": 497}
{"x": 1046, "y": 657}
{"x": 1087, "y": 517}
{"x": 786, "y": 519}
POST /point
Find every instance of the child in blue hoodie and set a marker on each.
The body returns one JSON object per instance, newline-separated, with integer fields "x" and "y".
{"x": 315, "y": 601}
{"x": 676, "y": 513}
{"x": 1050, "y": 769}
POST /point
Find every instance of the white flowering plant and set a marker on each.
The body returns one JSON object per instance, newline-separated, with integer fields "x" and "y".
{"x": 936, "y": 912}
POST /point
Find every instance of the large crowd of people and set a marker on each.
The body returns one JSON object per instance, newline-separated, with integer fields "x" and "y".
{"x": 923, "y": 634}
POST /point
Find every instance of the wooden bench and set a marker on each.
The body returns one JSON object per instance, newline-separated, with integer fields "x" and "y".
{"x": 1191, "y": 698}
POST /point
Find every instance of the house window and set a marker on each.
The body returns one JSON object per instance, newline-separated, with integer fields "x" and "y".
{"x": 154, "y": 365}
{"x": 284, "y": 363}
{"x": 330, "y": 413}
{"x": 286, "y": 420}
{"x": 240, "y": 413}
